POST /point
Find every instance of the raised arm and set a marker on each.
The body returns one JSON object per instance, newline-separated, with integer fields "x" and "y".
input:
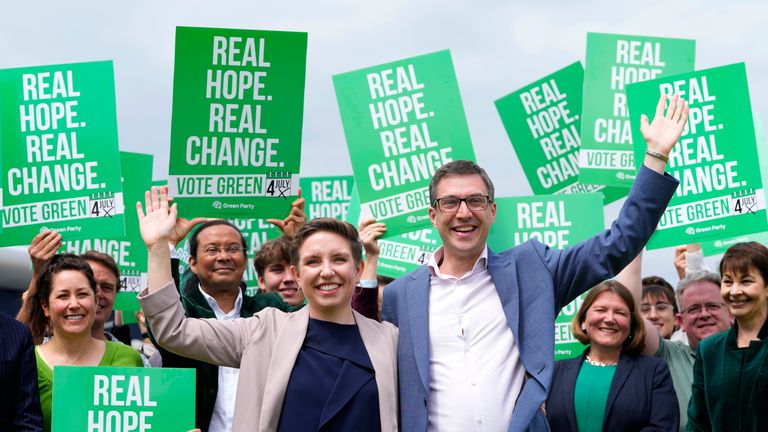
{"x": 662, "y": 134}
{"x": 209, "y": 340}
{"x": 588, "y": 263}
{"x": 296, "y": 218}
{"x": 44, "y": 245}
{"x": 366, "y": 298}
{"x": 631, "y": 277}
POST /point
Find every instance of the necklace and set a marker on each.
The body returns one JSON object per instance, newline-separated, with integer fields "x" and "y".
{"x": 599, "y": 363}
{"x": 68, "y": 360}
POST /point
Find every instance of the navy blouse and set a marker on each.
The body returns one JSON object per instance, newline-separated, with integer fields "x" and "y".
{"x": 333, "y": 384}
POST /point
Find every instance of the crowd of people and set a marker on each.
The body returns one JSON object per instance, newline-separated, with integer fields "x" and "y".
{"x": 466, "y": 342}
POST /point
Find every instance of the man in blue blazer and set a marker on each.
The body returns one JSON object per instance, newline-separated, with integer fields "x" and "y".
{"x": 19, "y": 397}
{"x": 476, "y": 347}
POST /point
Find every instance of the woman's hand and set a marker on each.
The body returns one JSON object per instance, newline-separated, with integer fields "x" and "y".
{"x": 662, "y": 134}
{"x": 158, "y": 223}
{"x": 370, "y": 231}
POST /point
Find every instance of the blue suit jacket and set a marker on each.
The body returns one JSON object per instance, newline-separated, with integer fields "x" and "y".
{"x": 641, "y": 397}
{"x": 533, "y": 282}
{"x": 19, "y": 397}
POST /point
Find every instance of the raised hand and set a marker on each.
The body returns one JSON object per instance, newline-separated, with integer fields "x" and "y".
{"x": 43, "y": 247}
{"x": 370, "y": 231}
{"x": 295, "y": 219}
{"x": 157, "y": 221}
{"x": 680, "y": 261}
{"x": 665, "y": 129}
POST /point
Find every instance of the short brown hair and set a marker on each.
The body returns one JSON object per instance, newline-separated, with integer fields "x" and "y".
{"x": 740, "y": 257}
{"x": 661, "y": 292}
{"x": 635, "y": 343}
{"x": 335, "y": 226}
{"x": 105, "y": 260}
{"x": 458, "y": 168}
{"x": 273, "y": 251}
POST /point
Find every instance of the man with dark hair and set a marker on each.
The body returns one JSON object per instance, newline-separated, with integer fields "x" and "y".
{"x": 273, "y": 269}
{"x": 470, "y": 306}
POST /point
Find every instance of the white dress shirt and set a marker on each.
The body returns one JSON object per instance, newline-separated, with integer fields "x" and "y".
{"x": 224, "y": 409}
{"x": 475, "y": 372}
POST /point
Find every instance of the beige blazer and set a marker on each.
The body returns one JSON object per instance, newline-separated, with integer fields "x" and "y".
{"x": 265, "y": 348}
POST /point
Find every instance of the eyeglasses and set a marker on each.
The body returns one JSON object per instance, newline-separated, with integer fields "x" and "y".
{"x": 212, "y": 251}
{"x": 660, "y": 307}
{"x": 697, "y": 308}
{"x": 451, "y": 204}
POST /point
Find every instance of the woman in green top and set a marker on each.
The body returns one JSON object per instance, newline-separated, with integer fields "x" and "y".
{"x": 65, "y": 302}
{"x": 611, "y": 387}
{"x": 730, "y": 376}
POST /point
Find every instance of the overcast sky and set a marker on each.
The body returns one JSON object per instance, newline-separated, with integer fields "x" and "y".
{"x": 497, "y": 47}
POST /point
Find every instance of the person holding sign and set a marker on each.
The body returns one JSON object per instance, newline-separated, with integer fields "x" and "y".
{"x": 471, "y": 306}
{"x": 731, "y": 371}
{"x": 65, "y": 301}
{"x": 328, "y": 363}
{"x": 611, "y": 386}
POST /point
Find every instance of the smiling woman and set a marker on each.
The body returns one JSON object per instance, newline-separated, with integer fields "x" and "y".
{"x": 729, "y": 397}
{"x": 328, "y": 363}
{"x": 585, "y": 392}
{"x": 65, "y": 301}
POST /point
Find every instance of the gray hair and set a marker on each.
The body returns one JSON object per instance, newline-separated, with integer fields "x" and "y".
{"x": 692, "y": 278}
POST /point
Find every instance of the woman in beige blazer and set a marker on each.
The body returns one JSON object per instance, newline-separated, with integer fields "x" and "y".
{"x": 324, "y": 368}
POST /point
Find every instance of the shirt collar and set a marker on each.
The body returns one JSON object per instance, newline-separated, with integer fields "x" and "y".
{"x": 437, "y": 257}
{"x": 215, "y": 306}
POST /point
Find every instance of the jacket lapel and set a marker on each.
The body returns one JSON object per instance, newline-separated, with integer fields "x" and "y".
{"x": 623, "y": 370}
{"x": 417, "y": 293}
{"x": 384, "y": 366}
{"x": 571, "y": 372}
{"x": 281, "y": 362}
{"x": 504, "y": 277}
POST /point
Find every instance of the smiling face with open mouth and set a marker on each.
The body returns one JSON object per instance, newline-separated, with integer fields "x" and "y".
{"x": 464, "y": 231}
{"x": 71, "y": 303}
{"x": 745, "y": 294}
{"x": 220, "y": 260}
{"x": 327, "y": 274}
{"x": 607, "y": 322}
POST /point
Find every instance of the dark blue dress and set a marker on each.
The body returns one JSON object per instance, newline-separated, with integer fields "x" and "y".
{"x": 333, "y": 384}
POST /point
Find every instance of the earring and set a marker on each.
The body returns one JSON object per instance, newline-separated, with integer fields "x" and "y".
{"x": 583, "y": 328}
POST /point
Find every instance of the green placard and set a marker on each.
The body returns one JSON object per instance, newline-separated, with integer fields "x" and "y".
{"x": 719, "y": 246}
{"x": 327, "y": 196}
{"x": 543, "y": 122}
{"x": 60, "y": 162}
{"x": 559, "y": 221}
{"x": 87, "y": 398}
{"x": 402, "y": 120}
{"x": 129, "y": 251}
{"x": 613, "y": 62}
{"x": 405, "y": 253}
{"x": 721, "y": 191}
{"x": 256, "y": 233}
{"x": 238, "y": 102}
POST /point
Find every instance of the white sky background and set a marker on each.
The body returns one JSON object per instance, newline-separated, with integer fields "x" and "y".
{"x": 497, "y": 47}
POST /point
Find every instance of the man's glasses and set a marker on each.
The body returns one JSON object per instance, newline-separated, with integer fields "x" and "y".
{"x": 697, "y": 308}
{"x": 451, "y": 204}
{"x": 231, "y": 250}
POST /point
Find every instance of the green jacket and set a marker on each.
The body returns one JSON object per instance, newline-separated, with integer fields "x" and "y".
{"x": 730, "y": 384}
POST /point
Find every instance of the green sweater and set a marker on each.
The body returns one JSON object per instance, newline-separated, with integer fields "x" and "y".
{"x": 115, "y": 354}
{"x": 730, "y": 384}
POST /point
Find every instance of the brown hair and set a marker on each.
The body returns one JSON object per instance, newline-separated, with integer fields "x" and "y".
{"x": 38, "y": 322}
{"x": 458, "y": 167}
{"x": 635, "y": 343}
{"x": 740, "y": 257}
{"x": 661, "y": 292}
{"x": 105, "y": 260}
{"x": 273, "y": 251}
{"x": 335, "y": 226}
